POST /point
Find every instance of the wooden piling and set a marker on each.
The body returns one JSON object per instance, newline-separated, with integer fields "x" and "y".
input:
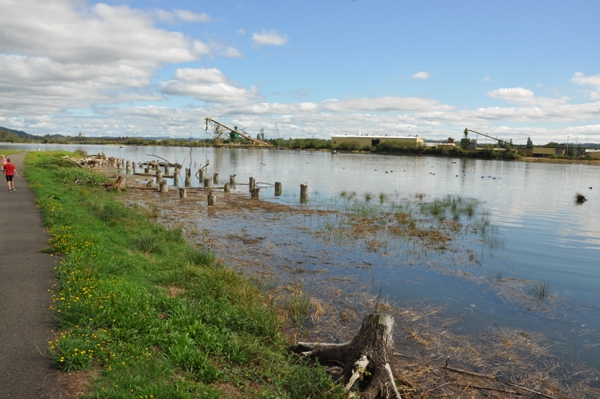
{"x": 167, "y": 169}
{"x": 303, "y": 193}
{"x": 188, "y": 177}
{"x": 212, "y": 199}
{"x": 255, "y": 194}
{"x": 176, "y": 172}
{"x": 278, "y": 189}
{"x": 150, "y": 184}
{"x": 182, "y": 193}
{"x": 201, "y": 174}
{"x": 227, "y": 187}
{"x": 232, "y": 180}
{"x": 207, "y": 182}
{"x": 133, "y": 167}
{"x": 252, "y": 184}
{"x": 159, "y": 176}
{"x": 164, "y": 187}
{"x": 215, "y": 178}
{"x": 127, "y": 167}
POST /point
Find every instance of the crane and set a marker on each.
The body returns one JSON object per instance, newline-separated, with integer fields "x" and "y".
{"x": 500, "y": 141}
{"x": 219, "y": 129}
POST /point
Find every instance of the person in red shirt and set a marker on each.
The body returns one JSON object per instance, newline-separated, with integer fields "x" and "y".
{"x": 10, "y": 171}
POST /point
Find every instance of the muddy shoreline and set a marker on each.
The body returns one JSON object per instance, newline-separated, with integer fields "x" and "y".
{"x": 337, "y": 301}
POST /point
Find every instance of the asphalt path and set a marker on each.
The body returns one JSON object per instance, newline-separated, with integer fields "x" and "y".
{"x": 26, "y": 275}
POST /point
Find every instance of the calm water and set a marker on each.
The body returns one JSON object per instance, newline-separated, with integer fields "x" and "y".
{"x": 546, "y": 235}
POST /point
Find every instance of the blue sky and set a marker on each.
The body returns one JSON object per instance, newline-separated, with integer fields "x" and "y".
{"x": 513, "y": 69}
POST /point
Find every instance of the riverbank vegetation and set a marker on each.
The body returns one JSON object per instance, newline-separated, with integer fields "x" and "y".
{"x": 148, "y": 316}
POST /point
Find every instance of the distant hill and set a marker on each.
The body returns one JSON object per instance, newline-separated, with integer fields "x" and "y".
{"x": 7, "y": 134}
{"x": 16, "y": 135}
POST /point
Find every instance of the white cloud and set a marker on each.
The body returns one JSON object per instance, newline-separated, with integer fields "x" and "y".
{"x": 189, "y": 16}
{"x": 241, "y": 31}
{"x": 421, "y": 75}
{"x": 486, "y": 79}
{"x": 593, "y": 81}
{"x": 209, "y": 85}
{"x": 195, "y": 75}
{"x": 62, "y": 54}
{"x": 583, "y": 80}
{"x": 181, "y": 15}
{"x": 270, "y": 38}
{"x": 514, "y": 95}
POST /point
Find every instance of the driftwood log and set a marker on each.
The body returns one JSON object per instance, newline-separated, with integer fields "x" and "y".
{"x": 367, "y": 357}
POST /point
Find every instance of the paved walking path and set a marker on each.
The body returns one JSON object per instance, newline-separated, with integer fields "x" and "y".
{"x": 26, "y": 275}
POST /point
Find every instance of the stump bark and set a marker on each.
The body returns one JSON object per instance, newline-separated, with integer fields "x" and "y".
{"x": 368, "y": 357}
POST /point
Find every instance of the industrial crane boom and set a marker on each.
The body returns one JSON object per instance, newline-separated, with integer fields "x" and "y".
{"x": 485, "y": 135}
{"x": 218, "y": 132}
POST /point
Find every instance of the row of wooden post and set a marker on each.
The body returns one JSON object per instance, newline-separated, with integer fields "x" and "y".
{"x": 163, "y": 186}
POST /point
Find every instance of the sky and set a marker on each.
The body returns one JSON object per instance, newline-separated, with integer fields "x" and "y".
{"x": 301, "y": 69}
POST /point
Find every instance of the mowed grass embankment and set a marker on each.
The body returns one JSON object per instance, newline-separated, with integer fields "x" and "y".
{"x": 149, "y": 315}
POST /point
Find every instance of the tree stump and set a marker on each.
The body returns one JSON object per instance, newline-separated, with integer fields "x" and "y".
{"x": 368, "y": 356}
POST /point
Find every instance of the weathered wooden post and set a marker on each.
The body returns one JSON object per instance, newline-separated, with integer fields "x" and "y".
{"x": 133, "y": 166}
{"x": 207, "y": 182}
{"x": 215, "y": 178}
{"x": 159, "y": 177}
{"x": 164, "y": 187}
{"x": 212, "y": 199}
{"x": 232, "y": 180}
{"x": 176, "y": 176}
{"x": 182, "y": 193}
{"x": 201, "y": 174}
{"x": 227, "y": 187}
{"x": 146, "y": 170}
{"x": 278, "y": 189}
{"x": 150, "y": 184}
{"x": 252, "y": 184}
{"x": 127, "y": 167}
{"x": 255, "y": 194}
{"x": 304, "y": 193}
{"x": 167, "y": 168}
{"x": 188, "y": 177}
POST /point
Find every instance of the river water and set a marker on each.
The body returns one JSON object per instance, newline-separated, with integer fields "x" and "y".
{"x": 543, "y": 235}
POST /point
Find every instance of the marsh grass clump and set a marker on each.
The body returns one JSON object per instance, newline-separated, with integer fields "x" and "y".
{"x": 540, "y": 290}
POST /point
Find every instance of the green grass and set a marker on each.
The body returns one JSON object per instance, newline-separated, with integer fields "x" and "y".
{"x": 540, "y": 290}
{"x": 153, "y": 316}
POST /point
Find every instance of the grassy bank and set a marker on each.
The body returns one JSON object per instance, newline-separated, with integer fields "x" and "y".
{"x": 148, "y": 315}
